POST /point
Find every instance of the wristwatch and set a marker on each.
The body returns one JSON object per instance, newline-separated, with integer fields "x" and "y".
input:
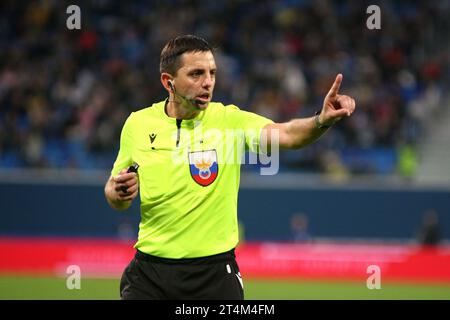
{"x": 317, "y": 121}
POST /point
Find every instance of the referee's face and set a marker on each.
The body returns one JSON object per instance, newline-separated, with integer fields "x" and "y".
{"x": 197, "y": 77}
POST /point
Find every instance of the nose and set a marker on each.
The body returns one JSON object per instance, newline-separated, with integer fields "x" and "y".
{"x": 208, "y": 82}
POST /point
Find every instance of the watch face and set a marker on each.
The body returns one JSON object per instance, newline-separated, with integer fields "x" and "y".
{"x": 318, "y": 125}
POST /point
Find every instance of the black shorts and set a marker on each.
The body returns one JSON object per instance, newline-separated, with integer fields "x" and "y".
{"x": 212, "y": 277}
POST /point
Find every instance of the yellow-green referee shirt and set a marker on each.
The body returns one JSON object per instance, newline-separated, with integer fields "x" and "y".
{"x": 189, "y": 177}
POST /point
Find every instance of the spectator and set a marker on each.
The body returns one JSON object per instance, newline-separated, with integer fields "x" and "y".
{"x": 299, "y": 228}
{"x": 430, "y": 233}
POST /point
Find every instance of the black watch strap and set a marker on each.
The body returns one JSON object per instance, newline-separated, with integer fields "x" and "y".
{"x": 317, "y": 121}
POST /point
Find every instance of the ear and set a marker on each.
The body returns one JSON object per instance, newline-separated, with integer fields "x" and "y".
{"x": 167, "y": 81}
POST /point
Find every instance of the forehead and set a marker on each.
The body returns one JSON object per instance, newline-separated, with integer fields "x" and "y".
{"x": 198, "y": 60}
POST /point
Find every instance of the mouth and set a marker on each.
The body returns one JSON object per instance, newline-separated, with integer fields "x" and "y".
{"x": 203, "y": 98}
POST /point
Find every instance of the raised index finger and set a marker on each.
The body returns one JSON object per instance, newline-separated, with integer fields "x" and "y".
{"x": 336, "y": 85}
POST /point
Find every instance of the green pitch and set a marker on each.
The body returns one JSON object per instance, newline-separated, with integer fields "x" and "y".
{"x": 13, "y": 287}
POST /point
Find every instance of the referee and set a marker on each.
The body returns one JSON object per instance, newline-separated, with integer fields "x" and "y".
{"x": 187, "y": 182}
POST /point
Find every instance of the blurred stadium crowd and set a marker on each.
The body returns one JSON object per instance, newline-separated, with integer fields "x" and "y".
{"x": 64, "y": 94}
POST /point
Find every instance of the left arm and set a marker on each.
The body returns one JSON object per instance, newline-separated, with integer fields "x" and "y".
{"x": 298, "y": 133}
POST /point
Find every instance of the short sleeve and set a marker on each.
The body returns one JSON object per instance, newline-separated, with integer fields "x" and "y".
{"x": 251, "y": 123}
{"x": 124, "y": 157}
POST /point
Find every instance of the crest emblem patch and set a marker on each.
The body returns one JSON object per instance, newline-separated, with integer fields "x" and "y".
{"x": 203, "y": 166}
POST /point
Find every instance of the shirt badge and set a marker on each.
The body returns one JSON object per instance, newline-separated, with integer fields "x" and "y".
{"x": 203, "y": 166}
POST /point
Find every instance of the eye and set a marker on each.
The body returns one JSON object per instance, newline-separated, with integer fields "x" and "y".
{"x": 197, "y": 73}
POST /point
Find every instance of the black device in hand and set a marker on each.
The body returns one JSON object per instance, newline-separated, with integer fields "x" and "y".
{"x": 133, "y": 168}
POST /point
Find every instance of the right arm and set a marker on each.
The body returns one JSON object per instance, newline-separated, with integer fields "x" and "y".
{"x": 115, "y": 195}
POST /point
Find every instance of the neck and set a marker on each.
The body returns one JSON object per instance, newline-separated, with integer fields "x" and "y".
{"x": 180, "y": 111}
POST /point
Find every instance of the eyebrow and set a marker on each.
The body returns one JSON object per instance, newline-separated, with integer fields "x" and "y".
{"x": 201, "y": 70}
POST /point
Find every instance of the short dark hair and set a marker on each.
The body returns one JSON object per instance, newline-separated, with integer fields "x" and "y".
{"x": 170, "y": 60}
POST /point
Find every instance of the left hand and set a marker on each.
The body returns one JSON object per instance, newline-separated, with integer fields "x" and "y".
{"x": 336, "y": 106}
